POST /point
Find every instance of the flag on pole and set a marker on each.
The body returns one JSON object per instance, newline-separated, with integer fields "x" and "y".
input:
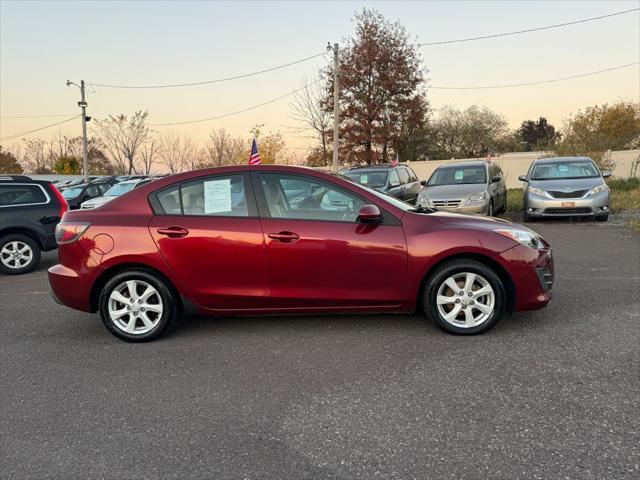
{"x": 395, "y": 161}
{"x": 488, "y": 159}
{"x": 254, "y": 158}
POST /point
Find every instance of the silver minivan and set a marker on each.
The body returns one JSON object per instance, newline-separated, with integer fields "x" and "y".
{"x": 565, "y": 187}
{"x": 466, "y": 187}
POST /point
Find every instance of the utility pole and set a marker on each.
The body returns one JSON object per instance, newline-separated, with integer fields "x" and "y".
{"x": 85, "y": 148}
{"x": 336, "y": 94}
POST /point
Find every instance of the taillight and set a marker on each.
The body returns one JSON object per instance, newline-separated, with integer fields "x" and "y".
{"x": 68, "y": 232}
{"x": 64, "y": 206}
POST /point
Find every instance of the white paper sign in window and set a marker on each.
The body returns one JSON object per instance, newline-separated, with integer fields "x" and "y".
{"x": 217, "y": 196}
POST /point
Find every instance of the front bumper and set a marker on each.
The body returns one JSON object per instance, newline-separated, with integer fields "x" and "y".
{"x": 532, "y": 276}
{"x": 479, "y": 207}
{"x": 537, "y": 206}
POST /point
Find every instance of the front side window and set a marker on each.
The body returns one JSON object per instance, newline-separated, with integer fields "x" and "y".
{"x": 404, "y": 175}
{"x": 394, "y": 180}
{"x": 458, "y": 175}
{"x": 309, "y": 200}
{"x": 21, "y": 195}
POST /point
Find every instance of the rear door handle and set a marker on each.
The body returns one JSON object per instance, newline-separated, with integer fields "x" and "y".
{"x": 173, "y": 232}
{"x": 284, "y": 237}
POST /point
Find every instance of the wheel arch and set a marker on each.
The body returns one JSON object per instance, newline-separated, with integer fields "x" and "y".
{"x": 31, "y": 233}
{"x": 109, "y": 273}
{"x": 486, "y": 260}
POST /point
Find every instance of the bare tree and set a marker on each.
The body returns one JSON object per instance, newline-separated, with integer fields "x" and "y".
{"x": 307, "y": 109}
{"x": 222, "y": 149}
{"x": 148, "y": 154}
{"x": 123, "y": 138}
{"x": 177, "y": 153}
{"x": 34, "y": 157}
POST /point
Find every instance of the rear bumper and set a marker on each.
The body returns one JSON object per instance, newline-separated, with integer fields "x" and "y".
{"x": 69, "y": 288}
{"x": 537, "y": 206}
{"x": 532, "y": 274}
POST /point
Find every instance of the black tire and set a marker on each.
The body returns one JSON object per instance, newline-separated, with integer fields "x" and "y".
{"x": 442, "y": 273}
{"x": 7, "y": 240}
{"x": 602, "y": 218}
{"x": 166, "y": 292}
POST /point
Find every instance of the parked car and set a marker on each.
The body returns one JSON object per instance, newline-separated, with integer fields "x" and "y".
{"x": 565, "y": 186}
{"x": 398, "y": 181}
{"x": 115, "y": 191}
{"x": 29, "y": 212}
{"x": 124, "y": 178}
{"x": 232, "y": 240}
{"x": 466, "y": 187}
{"x": 76, "y": 194}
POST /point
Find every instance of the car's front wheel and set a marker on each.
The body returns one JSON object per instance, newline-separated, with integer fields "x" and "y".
{"x": 18, "y": 254}
{"x": 138, "y": 306}
{"x": 464, "y": 297}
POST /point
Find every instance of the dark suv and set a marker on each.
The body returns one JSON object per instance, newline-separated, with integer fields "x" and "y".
{"x": 76, "y": 194}
{"x": 399, "y": 181}
{"x": 29, "y": 212}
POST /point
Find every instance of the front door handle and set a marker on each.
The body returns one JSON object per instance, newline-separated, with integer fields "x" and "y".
{"x": 284, "y": 237}
{"x": 173, "y": 232}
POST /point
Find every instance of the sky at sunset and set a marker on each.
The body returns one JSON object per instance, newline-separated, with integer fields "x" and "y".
{"x": 42, "y": 44}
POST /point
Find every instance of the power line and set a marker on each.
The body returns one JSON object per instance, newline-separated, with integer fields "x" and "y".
{"x": 538, "y": 82}
{"x": 218, "y": 80}
{"x": 17, "y": 135}
{"x": 528, "y": 30}
{"x": 253, "y": 107}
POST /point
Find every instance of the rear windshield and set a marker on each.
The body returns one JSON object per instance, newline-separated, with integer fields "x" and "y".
{"x": 118, "y": 189}
{"x": 458, "y": 175}
{"x": 72, "y": 192}
{"x": 564, "y": 170}
{"x": 369, "y": 178}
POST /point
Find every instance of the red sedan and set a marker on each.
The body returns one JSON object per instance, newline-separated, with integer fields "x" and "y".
{"x": 275, "y": 239}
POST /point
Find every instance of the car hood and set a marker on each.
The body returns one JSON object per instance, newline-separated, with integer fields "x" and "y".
{"x": 98, "y": 201}
{"x": 570, "y": 184}
{"x": 452, "y": 192}
{"x": 470, "y": 220}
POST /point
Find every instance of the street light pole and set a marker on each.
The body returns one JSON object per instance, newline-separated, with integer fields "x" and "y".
{"x": 336, "y": 94}
{"x": 85, "y": 147}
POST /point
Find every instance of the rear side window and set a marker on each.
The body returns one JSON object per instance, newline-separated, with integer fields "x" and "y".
{"x": 211, "y": 196}
{"x": 13, "y": 194}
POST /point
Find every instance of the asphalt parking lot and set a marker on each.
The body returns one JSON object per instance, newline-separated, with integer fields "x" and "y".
{"x": 547, "y": 394}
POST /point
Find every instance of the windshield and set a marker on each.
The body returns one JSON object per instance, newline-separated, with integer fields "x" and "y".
{"x": 564, "y": 170}
{"x": 369, "y": 178}
{"x": 459, "y": 175}
{"x": 119, "y": 189}
{"x": 72, "y": 192}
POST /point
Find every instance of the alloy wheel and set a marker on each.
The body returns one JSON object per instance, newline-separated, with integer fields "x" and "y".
{"x": 465, "y": 300}
{"x": 16, "y": 254}
{"x": 135, "y": 307}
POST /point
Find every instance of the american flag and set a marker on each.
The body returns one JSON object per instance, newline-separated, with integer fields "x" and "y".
{"x": 254, "y": 158}
{"x": 395, "y": 161}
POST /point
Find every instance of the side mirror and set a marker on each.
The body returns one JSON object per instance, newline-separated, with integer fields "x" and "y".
{"x": 369, "y": 214}
{"x": 423, "y": 183}
{"x": 522, "y": 178}
{"x": 606, "y": 174}
{"x": 495, "y": 179}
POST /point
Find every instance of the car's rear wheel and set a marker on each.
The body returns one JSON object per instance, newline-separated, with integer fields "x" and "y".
{"x": 464, "y": 297}
{"x": 138, "y": 306}
{"x": 18, "y": 254}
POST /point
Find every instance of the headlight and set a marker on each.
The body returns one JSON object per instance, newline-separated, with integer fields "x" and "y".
{"x": 539, "y": 191}
{"x": 525, "y": 237}
{"x": 475, "y": 197}
{"x": 598, "y": 189}
{"x": 424, "y": 200}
